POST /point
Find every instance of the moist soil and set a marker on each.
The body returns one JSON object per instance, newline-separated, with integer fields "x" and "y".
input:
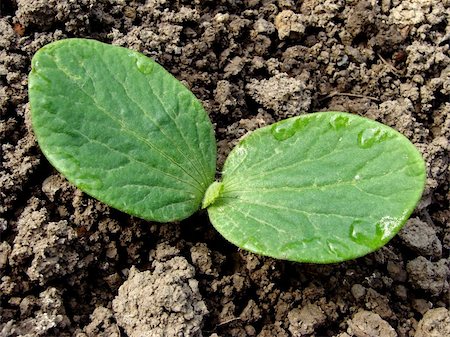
{"x": 72, "y": 266}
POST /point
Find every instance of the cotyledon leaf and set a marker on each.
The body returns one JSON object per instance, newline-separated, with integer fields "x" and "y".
{"x": 121, "y": 128}
{"x": 321, "y": 187}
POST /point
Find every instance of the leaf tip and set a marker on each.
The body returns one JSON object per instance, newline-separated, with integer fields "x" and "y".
{"x": 212, "y": 194}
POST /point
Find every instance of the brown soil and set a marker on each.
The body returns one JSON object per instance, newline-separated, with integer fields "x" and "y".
{"x": 71, "y": 266}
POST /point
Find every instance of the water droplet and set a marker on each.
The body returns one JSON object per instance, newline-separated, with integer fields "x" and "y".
{"x": 339, "y": 121}
{"x": 357, "y": 177}
{"x": 360, "y": 235}
{"x": 282, "y": 132}
{"x": 286, "y": 129}
{"x": 296, "y": 247}
{"x": 368, "y": 137}
{"x": 144, "y": 65}
{"x": 292, "y": 246}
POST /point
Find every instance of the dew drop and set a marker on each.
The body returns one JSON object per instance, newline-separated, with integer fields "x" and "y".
{"x": 296, "y": 247}
{"x": 355, "y": 232}
{"x": 282, "y": 131}
{"x": 286, "y": 129}
{"x": 358, "y": 234}
{"x": 300, "y": 123}
{"x": 292, "y": 246}
{"x": 339, "y": 121}
{"x": 144, "y": 65}
{"x": 368, "y": 137}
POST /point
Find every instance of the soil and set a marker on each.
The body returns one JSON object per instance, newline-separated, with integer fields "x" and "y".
{"x": 72, "y": 266}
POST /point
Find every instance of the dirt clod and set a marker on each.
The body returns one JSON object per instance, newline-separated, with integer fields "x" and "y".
{"x": 165, "y": 302}
{"x": 281, "y": 93}
{"x": 45, "y": 243}
{"x": 102, "y": 324}
{"x": 429, "y": 276}
{"x": 435, "y": 323}
{"x": 368, "y": 324}
{"x": 50, "y": 316}
{"x": 305, "y": 320}
{"x": 421, "y": 237}
{"x": 287, "y": 22}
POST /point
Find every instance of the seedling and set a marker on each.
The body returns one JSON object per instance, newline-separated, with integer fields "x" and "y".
{"x": 321, "y": 187}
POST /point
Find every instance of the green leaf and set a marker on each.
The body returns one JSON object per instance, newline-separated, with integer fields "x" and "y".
{"x": 121, "y": 128}
{"x": 322, "y": 187}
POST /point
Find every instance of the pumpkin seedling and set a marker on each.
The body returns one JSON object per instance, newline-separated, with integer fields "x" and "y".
{"x": 321, "y": 187}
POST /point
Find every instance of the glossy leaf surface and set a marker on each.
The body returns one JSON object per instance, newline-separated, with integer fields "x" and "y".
{"x": 322, "y": 188}
{"x": 121, "y": 128}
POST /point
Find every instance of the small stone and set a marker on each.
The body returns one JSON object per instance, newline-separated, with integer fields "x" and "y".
{"x": 114, "y": 281}
{"x": 421, "y": 305}
{"x": 358, "y": 291}
{"x": 111, "y": 251}
{"x": 250, "y": 330}
{"x": 14, "y": 301}
{"x": 305, "y": 320}
{"x": 129, "y": 12}
{"x": 397, "y": 271}
{"x": 401, "y": 292}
